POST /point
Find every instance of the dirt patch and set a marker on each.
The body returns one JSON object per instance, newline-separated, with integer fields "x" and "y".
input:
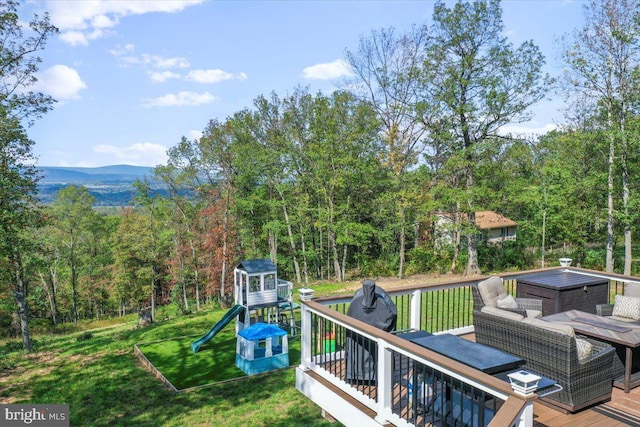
{"x": 389, "y": 283}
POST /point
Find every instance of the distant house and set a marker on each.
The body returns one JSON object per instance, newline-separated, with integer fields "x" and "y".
{"x": 495, "y": 228}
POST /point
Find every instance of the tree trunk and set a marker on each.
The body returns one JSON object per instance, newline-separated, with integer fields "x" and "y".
{"x": 456, "y": 239}
{"x": 50, "y": 286}
{"x": 402, "y": 237}
{"x": 292, "y": 242}
{"x": 273, "y": 246}
{"x": 628, "y": 250}
{"x": 472, "y": 267}
{"x": 472, "y": 239}
{"x": 305, "y": 268}
{"x": 74, "y": 281}
{"x": 544, "y": 231}
{"x": 153, "y": 291}
{"x": 20, "y": 294}
{"x": 196, "y": 277}
{"x": 610, "y": 211}
{"x": 343, "y": 271}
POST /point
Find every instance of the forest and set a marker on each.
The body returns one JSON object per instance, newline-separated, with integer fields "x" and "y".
{"x": 348, "y": 184}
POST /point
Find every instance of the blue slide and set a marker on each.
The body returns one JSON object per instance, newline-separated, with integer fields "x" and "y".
{"x": 228, "y": 317}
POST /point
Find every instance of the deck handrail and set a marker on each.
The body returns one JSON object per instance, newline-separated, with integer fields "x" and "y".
{"x": 388, "y": 343}
{"x": 516, "y": 410}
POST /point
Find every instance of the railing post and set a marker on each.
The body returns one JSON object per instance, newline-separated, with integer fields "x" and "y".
{"x": 414, "y": 318}
{"x": 526, "y": 417}
{"x": 305, "y": 336}
{"x": 384, "y": 376}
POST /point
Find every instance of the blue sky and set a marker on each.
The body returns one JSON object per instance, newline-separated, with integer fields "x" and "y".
{"x": 132, "y": 77}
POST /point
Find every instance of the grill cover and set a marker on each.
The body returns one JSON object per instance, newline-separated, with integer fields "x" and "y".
{"x": 373, "y": 306}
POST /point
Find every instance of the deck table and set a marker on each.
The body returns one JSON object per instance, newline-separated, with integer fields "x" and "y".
{"x": 610, "y": 330}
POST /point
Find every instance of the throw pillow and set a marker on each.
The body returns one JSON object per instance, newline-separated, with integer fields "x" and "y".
{"x": 507, "y": 302}
{"x": 584, "y": 348}
{"x": 627, "y": 307}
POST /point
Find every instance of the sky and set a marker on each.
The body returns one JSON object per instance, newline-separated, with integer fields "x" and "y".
{"x": 131, "y": 78}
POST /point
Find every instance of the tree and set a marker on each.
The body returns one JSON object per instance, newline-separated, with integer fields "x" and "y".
{"x": 155, "y": 208}
{"x": 603, "y": 59}
{"x": 386, "y": 76}
{"x": 134, "y": 252}
{"x": 474, "y": 83}
{"x": 19, "y": 107}
{"x": 73, "y": 211}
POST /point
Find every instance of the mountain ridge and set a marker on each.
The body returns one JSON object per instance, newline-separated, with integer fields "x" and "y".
{"x": 111, "y": 185}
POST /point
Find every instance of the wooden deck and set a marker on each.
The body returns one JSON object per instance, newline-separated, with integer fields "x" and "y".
{"x": 622, "y": 410}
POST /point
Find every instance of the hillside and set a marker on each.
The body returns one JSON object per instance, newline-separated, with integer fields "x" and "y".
{"x": 110, "y": 185}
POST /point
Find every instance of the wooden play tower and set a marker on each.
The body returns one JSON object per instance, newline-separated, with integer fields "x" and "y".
{"x": 265, "y": 297}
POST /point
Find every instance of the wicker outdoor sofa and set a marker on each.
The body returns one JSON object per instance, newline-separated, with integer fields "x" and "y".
{"x": 552, "y": 354}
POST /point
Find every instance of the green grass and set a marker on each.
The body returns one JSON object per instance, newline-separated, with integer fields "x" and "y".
{"x": 215, "y": 362}
{"x": 105, "y": 385}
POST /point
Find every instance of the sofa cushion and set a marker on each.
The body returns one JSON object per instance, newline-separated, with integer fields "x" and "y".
{"x": 632, "y": 323}
{"x": 491, "y": 290}
{"x": 625, "y": 306}
{"x": 502, "y": 313}
{"x": 584, "y": 348}
{"x": 506, "y": 302}
{"x": 632, "y": 290}
{"x": 551, "y": 326}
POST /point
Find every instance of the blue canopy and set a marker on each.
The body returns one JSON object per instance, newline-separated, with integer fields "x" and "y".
{"x": 260, "y": 331}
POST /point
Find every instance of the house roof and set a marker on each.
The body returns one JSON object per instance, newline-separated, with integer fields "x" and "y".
{"x": 257, "y": 266}
{"x": 486, "y": 220}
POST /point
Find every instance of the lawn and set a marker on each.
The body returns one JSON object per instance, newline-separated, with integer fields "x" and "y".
{"x": 98, "y": 375}
{"x": 215, "y": 362}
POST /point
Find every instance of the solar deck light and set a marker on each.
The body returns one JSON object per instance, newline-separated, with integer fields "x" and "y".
{"x": 523, "y": 382}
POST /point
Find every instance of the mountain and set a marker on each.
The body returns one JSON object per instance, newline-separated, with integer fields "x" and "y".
{"x": 110, "y": 185}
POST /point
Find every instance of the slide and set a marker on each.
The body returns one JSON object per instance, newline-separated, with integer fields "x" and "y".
{"x": 228, "y": 317}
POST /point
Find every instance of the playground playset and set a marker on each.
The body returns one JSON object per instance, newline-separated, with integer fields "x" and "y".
{"x": 264, "y": 311}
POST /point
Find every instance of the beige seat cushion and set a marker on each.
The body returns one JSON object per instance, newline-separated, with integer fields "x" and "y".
{"x": 491, "y": 290}
{"x": 557, "y": 327}
{"x": 502, "y": 313}
{"x": 633, "y": 323}
{"x": 632, "y": 290}
{"x": 534, "y": 313}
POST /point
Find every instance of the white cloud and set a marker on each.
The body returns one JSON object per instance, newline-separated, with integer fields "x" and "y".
{"x": 126, "y": 57}
{"x": 123, "y": 50}
{"x": 194, "y": 135}
{"x": 327, "y": 71}
{"x": 163, "y": 76}
{"x": 74, "y": 38}
{"x": 86, "y": 19}
{"x": 180, "y": 99}
{"x": 213, "y": 76}
{"x": 140, "y": 154}
{"x": 61, "y": 82}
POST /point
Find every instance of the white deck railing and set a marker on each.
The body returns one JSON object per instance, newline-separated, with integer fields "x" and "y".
{"x": 446, "y": 307}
